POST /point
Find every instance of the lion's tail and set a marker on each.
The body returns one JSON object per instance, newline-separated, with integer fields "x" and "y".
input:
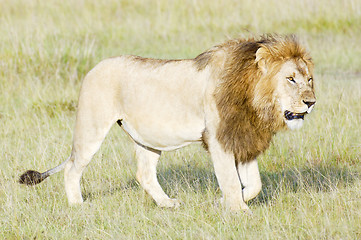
{"x": 32, "y": 177}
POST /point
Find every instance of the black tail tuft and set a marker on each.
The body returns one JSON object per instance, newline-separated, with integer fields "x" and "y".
{"x": 31, "y": 177}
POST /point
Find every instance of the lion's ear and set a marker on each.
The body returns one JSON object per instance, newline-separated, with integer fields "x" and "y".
{"x": 261, "y": 56}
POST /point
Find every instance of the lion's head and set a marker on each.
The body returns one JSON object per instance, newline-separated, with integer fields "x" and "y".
{"x": 290, "y": 70}
{"x": 267, "y": 84}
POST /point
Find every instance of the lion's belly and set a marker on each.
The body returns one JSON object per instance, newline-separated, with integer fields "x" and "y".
{"x": 163, "y": 120}
{"x": 162, "y": 139}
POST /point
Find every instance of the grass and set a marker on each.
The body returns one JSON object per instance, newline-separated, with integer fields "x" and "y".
{"x": 311, "y": 178}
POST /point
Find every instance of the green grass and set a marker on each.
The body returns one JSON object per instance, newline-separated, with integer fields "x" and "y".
{"x": 311, "y": 178}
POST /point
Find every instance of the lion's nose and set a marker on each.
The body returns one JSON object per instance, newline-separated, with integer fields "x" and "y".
{"x": 309, "y": 103}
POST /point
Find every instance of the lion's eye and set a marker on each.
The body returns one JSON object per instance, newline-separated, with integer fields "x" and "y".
{"x": 291, "y": 80}
{"x": 310, "y": 80}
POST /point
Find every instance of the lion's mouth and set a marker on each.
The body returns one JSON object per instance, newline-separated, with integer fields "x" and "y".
{"x": 291, "y": 115}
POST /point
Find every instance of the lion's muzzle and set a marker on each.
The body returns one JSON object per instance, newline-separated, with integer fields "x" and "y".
{"x": 309, "y": 103}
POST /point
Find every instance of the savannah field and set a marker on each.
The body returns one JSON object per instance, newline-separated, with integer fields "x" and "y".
{"x": 311, "y": 177}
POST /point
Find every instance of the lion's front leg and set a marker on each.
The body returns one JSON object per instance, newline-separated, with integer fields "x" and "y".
{"x": 147, "y": 176}
{"x": 227, "y": 176}
{"x": 250, "y": 179}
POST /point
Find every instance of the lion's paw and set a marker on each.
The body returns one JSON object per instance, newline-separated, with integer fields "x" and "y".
{"x": 234, "y": 208}
{"x": 169, "y": 203}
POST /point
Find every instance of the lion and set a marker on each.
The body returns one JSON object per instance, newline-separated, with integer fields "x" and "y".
{"x": 233, "y": 97}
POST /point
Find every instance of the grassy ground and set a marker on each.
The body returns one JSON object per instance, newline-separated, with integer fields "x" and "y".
{"x": 311, "y": 178}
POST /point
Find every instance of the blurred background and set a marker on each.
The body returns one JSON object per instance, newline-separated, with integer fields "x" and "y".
{"x": 311, "y": 180}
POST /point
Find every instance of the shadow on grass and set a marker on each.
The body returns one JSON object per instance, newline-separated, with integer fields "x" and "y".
{"x": 317, "y": 179}
{"x": 114, "y": 189}
{"x": 172, "y": 179}
{"x": 200, "y": 179}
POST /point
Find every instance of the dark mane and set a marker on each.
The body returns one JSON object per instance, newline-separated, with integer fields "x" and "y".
{"x": 247, "y": 124}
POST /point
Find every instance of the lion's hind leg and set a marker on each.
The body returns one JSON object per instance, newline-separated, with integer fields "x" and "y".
{"x": 84, "y": 148}
{"x": 87, "y": 141}
{"x": 147, "y": 160}
{"x": 96, "y": 114}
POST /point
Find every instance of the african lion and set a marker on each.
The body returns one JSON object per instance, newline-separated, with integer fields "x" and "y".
{"x": 233, "y": 98}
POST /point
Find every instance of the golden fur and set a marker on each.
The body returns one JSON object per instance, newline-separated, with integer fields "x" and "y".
{"x": 233, "y": 97}
{"x": 247, "y": 125}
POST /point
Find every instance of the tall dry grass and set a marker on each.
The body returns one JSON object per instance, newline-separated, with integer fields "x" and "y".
{"x": 311, "y": 177}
